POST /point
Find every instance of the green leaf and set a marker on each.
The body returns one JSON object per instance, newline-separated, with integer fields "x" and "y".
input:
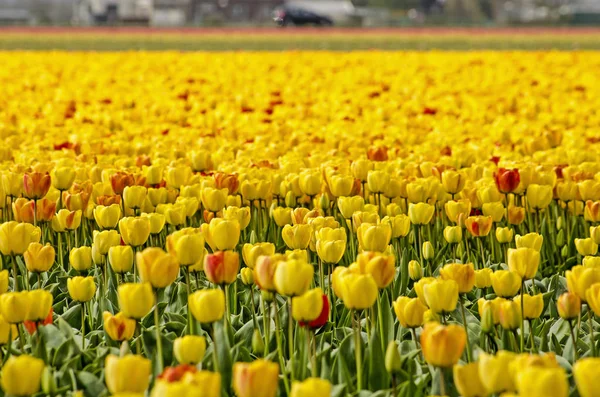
{"x": 377, "y": 377}
{"x": 92, "y": 385}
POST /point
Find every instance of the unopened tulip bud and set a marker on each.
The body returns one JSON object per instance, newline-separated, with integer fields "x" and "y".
{"x": 266, "y": 295}
{"x": 560, "y": 238}
{"x": 246, "y": 275}
{"x": 568, "y": 305}
{"x": 48, "y": 381}
{"x": 415, "y": 271}
{"x": 324, "y": 202}
{"x": 453, "y": 234}
{"x": 393, "y": 361}
{"x": 487, "y": 318}
{"x": 258, "y": 344}
{"x": 559, "y": 223}
{"x": 564, "y": 252}
{"x": 290, "y": 199}
{"x": 460, "y": 250}
{"x": 253, "y": 238}
{"x": 504, "y": 235}
{"x": 428, "y": 251}
{"x": 411, "y": 238}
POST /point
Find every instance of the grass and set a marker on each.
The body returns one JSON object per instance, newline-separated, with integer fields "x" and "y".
{"x": 298, "y": 41}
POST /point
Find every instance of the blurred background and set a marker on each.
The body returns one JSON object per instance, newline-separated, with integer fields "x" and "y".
{"x": 259, "y": 13}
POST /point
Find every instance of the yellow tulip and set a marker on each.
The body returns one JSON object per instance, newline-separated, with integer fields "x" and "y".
{"x": 130, "y": 373}
{"x": 308, "y": 306}
{"x": 224, "y": 234}
{"x": 189, "y": 349}
{"x": 251, "y": 252}
{"x": 14, "y": 306}
{"x": 524, "y": 262}
{"x": 102, "y": 241}
{"x": 134, "y": 231}
{"x": 377, "y": 181}
{"x": 453, "y": 234}
{"x": 260, "y": 378}
{"x": 580, "y": 279}
{"x": 3, "y": 281}
{"x": 409, "y": 311}
{"x": 39, "y": 258}
{"x": 586, "y": 246}
{"x": 311, "y": 387}
{"x": 506, "y": 283}
{"x": 458, "y": 211}
{"x": 16, "y": 237}
{"x": 530, "y": 240}
{"x": 8, "y": 331}
{"x": 441, "y": 295}
{"x": 539, "y": 196}
{"x": 504, "y": 235}
{"x": 349, "y": 205}
{"x": 157, "y": 222}
{"x": 494, "y": 371}
{"x": 568, "y": 305}
{"x": 331, "y": 244}
{"x": 442, "y": 345}
{"x": 66, "y": 220}
{"x": 483, "y": 278}
{"x": 118, "y": 327}
{"x": 374, "y": 237}
{"x": 494, "y": 210}
{"x": 81, "y": 289}
{"x": 157, "y": 267}
{"x": 297, "y": 236}
{"x": 586, "y": 372}
{"x": 463, "y": 274}
{"x": 207, "y": 305}
{"x": 136, "y": 300}
{"x": 420, "y": 213}
{"x": 13, "y": 381}
{"x": 533, "y": 305}
{"x": 420, "y": 286}
{"x": 242, "y": 215}
{"x": 107, "y": 217}
{"x": 380, "y": 266}
{"x": 187, "y": 245}
{"x": 358, "y": 291}
{"x": 282, "y": 216}
{"x": 543, "y": 382}
{"x": 134, "y": 196}
{"x": 400, "y": 225}
{"x": 453, "y": 181}
{"x": 120, "y": 258}
{"x": 467, "y": 380}
{"x": 509, "y": 313}
{"x": 293, "y": 277}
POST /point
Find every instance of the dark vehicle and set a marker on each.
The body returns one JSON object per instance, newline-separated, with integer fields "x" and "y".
{"x": 286, "y": 16}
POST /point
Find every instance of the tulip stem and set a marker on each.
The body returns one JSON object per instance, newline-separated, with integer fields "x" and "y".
{"x": 291, "y": 338}
{"x": 575, "y": 353}
{"x": 462, "y": 309}
{"x": 480, "y": 243}
{"x": 357, "y": 350}
{"x": 227, "y": 309}
{"x": 191, "y": 327}
{"x": 61, "y": 258}
{"x": 14, "y": 266}
{"x": 311, "y": 346}
{"x": 591, "y": 322}
{"x": 82, "y": 325}
{"x": 21, "y": 337}
{"x": 380, "y": 322}
{"x": 416, "y": 340}
{"x": 280, "y": 346}
{"x": 159, "y": 350}
{"x": 522, "y": 318}
{"x": 215, "y": 352}
{"x": 442, "y": 382}
{"x": 531, "y": 336}
{"x": 266, "y": 327}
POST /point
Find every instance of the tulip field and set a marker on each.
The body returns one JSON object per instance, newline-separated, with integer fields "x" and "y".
{"x": 300, "y": 223}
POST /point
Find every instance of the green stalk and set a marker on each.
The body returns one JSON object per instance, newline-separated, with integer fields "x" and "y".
{"x": 522, "y": 318}
{"x": 159, "y": 350}
{"x": 357, "y": 350}
{"x": 266, "y": 331}
{"x": 591, "y": 322}
{"x": 82, "y": 327}
{"x": 15, "y": 273}
{"x": 291, "y": 339}
{"x": 575, "y": 353}
{"x": 214, "y": 341}
{"x": 380, "y": 322}
{"x": 462, "y": 309}
{"x": 442, "y": 382}
{"x": 280, "y": 347}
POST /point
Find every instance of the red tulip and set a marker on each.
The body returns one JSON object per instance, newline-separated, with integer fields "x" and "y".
{"x": 507, "y": 181}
